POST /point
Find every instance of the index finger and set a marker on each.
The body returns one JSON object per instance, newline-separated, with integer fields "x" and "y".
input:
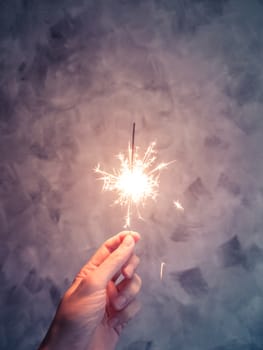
{"x": 105, "y": 250}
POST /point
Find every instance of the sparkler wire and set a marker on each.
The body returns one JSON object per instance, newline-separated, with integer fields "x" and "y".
{"x": 133, "y": 145}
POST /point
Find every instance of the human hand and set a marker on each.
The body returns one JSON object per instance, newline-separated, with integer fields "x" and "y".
{"x": 96, "y": 307}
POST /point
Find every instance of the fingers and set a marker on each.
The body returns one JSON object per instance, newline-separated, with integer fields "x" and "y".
{"x": 121, "y": 318}
{"x": 127, "y": 291}
{"x": 127, "y": 269}
{"x": 109, "y": 246}
{"x": 115, "y": 261}
{"x": 130, "y": 267}
{"x": 125, "y": 306}
{"x": 104, "y": 252}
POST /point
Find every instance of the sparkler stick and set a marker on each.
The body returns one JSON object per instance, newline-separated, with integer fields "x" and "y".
{"x": 136, "y": 180}
{"x": 128, "y": 220}
{"x": 133, "y": 145}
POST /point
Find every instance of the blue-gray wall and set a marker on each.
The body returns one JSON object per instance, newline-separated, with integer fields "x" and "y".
{"x": 74, "y": 75}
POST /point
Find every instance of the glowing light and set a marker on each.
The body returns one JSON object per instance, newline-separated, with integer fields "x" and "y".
{"x": 137, "y": 179}
{"x": 161, "y": 270}
{"x": 178, "y": 205}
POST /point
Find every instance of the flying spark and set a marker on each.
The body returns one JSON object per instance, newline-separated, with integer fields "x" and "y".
{"x": 136, "y": 180}
{"x": 178, "y": 205}
{"x": 161, "y": 269}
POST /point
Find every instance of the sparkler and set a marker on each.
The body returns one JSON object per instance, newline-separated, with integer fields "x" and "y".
{"x": 137, "y": 179}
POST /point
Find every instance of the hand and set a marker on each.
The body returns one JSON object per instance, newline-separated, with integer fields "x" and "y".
{"x": 96, "y": 307}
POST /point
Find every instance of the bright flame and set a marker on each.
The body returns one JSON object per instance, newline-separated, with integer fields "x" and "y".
{"x": 135, "y": 181}
{"x": 134, "y": 184}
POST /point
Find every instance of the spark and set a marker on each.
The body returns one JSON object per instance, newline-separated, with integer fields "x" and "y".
{"x": 178, "y": 205}
{"x": 136, "y": 180}
{"x": 161, "y": 270}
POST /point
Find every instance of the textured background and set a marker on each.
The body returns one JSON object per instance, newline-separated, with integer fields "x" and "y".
{"x": 74, "y": 75}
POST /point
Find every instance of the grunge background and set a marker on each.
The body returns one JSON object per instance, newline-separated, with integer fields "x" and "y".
{"x": 74, "y": 75}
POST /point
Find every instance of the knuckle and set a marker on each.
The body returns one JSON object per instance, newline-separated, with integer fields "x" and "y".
{"x": 89, "y": 279}
{"x": 89, "y": 282}
{"x": 131, "y": 266}
{"x": 134, "y": 288}
{"x": 138, "y": 281}
{"x": 127, "y": 271}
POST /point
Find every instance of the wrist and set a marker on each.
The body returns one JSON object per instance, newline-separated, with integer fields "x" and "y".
{"x": 50, "y": 342}
{"x": 65, "y": 335}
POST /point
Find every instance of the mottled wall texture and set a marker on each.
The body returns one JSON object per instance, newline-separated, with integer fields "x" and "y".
{"x": 74, "y": 76}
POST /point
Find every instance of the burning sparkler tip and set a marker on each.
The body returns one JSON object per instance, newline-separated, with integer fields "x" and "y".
{"x": 136, "y": 181}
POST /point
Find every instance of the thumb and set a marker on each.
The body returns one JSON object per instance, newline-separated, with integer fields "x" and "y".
{"x": 115, "y": 261}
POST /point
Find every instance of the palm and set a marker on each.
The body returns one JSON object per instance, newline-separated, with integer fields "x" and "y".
{"x": 105, "y": 336}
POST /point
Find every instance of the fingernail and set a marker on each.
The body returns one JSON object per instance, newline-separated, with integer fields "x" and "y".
{"x": 128, "y": 241}
{"x": 120, "y": 301}
{"x": 113, "y": 322}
